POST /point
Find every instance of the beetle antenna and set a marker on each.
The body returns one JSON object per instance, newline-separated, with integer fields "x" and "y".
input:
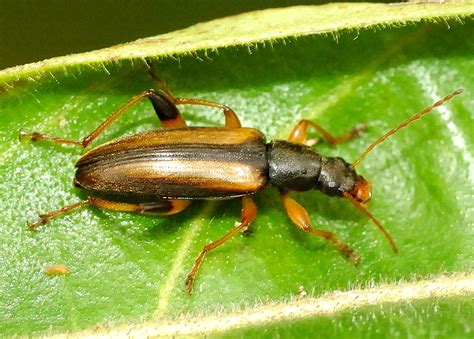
{"x": 405, "y": 123}
{"x": 379, "y": 225}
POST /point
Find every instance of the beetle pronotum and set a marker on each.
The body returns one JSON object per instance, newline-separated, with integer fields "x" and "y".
{"x": 162, "y": 171}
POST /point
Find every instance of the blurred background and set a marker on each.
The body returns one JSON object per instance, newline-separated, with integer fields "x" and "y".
{"x": 32, "y": 30}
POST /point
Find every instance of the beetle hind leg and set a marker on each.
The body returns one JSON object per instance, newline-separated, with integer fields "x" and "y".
{"x": 159, "y": 207}
{"x": 231, "y": 118}
{"x": 164, "y": 106}
{"x": 35, "y": 136}
{"x": 45, "y": 218}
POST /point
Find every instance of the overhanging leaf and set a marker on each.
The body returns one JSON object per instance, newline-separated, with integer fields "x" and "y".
{"x": 260, "y": 27}
{"x": 127, "y": 268}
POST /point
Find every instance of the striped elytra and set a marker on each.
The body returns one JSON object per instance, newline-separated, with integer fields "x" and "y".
{"x": 184, "y": 163}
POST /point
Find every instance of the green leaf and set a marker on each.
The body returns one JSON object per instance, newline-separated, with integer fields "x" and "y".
{"x": 126, "y": 268}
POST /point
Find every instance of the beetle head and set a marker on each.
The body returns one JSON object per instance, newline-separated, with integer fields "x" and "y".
{"x": 362, "y": 190}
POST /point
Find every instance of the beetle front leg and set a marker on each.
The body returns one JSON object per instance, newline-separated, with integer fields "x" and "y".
{"x": 300, "y": 218}
{"x": 248, "y": 213}
{"x": 299, "y": 134}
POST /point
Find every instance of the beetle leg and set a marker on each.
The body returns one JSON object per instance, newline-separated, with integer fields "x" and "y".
{"x": 151, "y": 73}
{"x": 299, "y": 134}
{"x": 35, "y": 136}
{"x": 166, "y": 110}
{"x": 300, "y": 218}
{"x": 45, "y": 218}
{"x": 159, "y": 207}
{"x": 248, "y": 213}
{"x": 231, "y": 119}
{"x": 164, "y": 106}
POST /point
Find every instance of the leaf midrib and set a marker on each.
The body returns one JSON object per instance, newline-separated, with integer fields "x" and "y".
{"x": 442, "y": 286}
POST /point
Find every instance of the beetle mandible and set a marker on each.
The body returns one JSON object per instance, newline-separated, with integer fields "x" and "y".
{"x": 162, "y": 171}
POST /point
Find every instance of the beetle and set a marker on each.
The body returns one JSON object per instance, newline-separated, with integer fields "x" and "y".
{"x": 161, "y": 171}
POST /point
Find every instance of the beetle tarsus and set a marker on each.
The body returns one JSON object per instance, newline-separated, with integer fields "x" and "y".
{"x": 34, "y": 136}
{"x": 357, "y": 131}
{"x": 349, "y": 253}
{"x": 354, "y": 133}
{"x": 345, "y": 249}
{"x": 45, "y": 218}
{"x": 189, "y": 282}
{"x": 33, "y": 226}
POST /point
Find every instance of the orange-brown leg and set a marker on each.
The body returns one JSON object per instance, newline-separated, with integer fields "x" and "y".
{"x": 231, "y": 119}
{"x": 160, "y": 207}
{"x": 164, "y": 106}
{"x": 161, "y": 83}
{"x": 45, "y": 218}
{"x": 249, "y": 211}
{"x": 300, "y": 218}
{"x": 299, "y": 134}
